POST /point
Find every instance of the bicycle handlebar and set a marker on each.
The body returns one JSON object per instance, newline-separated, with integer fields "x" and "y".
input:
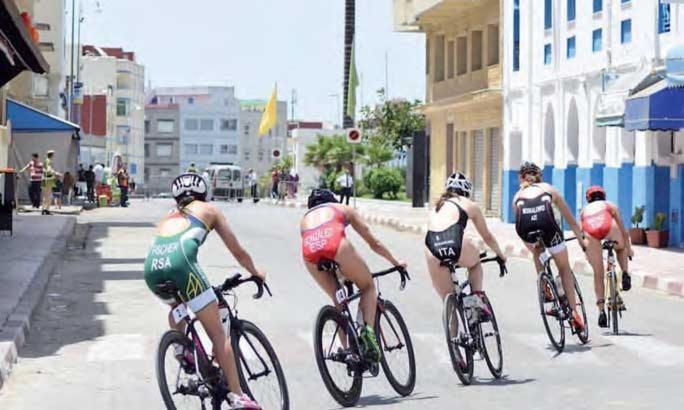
{"x": 402, "y": 272}
{"x": 235, "y": 281}
{"x": 503, "y": 270}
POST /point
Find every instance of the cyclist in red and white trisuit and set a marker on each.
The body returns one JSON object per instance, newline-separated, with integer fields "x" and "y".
{"x": 601, "y": 220}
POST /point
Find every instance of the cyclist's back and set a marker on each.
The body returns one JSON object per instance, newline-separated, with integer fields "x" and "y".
{"x": 446, "y": 229}
{"x": 535, "y": 213}
{"x": 323, "y": 228}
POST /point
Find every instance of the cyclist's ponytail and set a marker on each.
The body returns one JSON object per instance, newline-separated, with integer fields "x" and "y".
{"x": 183, "y": 202}
{"x": 442, "y": 199}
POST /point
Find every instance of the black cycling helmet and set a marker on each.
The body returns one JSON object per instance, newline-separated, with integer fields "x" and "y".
{"x": 189, "y": 185}
{"x": 529, "y": 167}
{"x": 460, "y": 184}
{"x": 321, "y": 196}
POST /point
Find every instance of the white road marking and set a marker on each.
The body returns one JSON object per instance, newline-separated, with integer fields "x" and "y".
{"x": 117, "y": 347}
{"x": 650, "y": 349}
{"x": 573, "y": 354}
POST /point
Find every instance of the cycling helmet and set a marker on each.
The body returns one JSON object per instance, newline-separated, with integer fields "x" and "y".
{"x": 529, "y": 167}
{"x": 459, "y": 184}
{"x": 320, "y": 196}
{"x": 596, "y": 193}
{"x": 189, "y": 184}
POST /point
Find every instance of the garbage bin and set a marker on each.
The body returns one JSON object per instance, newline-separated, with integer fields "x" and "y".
{"x": 7, "y": 198}
{"x": 102, "y": 201}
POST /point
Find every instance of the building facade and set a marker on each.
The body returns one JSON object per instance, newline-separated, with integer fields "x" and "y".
{"x": 303, "y": 134}
{"x": 162, "y": 147}
{"x": 256, "y": 152}
{"x": 115, "y": 74}
{"x": 208, "y": 123}
{"x": 569, "y": 67}
{"x": 463, "y": 100}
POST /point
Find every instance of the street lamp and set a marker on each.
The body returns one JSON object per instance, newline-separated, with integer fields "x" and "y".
{"x": 337, "y": 99}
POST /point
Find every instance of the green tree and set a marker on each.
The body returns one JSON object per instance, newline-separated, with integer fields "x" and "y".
{"x": 284, "y": 164}
{"x": 332, "y": 153}
{"x": 393, "y": 121}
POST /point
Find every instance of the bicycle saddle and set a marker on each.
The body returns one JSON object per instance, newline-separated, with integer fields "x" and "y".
{"x": 608, "y": 244}
{"x": 449, "y": 263}
{"x": 168, "y": 287}
{"x": 327, "y": 265}
{"x": 534, "y": 236}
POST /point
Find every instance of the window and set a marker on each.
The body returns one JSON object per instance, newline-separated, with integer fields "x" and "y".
{"x": 206, "y": 124}
{"x": 570, "y": 52}
{"x": 164, "y": 172}
{"x": 224, "y": 149}
{"x": 547, "y": 54}
{"x": 598, "y": 6}
{"x": 190, "y": 149}
{"x": 166, "y": 126}
{"x": 206, "y": 149}
{"x": 260, "y": 155}
{"x": 596, "y": 40}
{"x": 43, "y": 26}
{"x": 492, "y": 44}
{"x": 246, "y": 129}
{"x": 147, "y": 126}
{"x": 246, "y": 155}
{"x": 476, "y": 49}
{"x": 146, "y": 174}
{"x": 439, "y": 59}
{"x": 232, "y": 149}
{"x": 164, "y": 150}
{"x": 46, "y": 47}
{"x": 147, "y": 150}
{"x": 461, "y": 55}
{"x": 451, "y": 57}
{"x": 663, "y": 18}
{"x": 626, "y": 31}
{"x": 191, "y": 100}
{"x": 516, "y": 35}
{"x": 571, "y": 10}
{"x": 122, "y": 107}
{"x": 548, "y": 14}
{"x": 228, "y": 124}
{"x": 191, "y": 124}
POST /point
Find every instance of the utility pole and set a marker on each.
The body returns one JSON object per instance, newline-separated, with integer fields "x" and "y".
{"x": 293, "y": 102}
{"x": 70, "y": 82}
{"x": 349, "y": 31}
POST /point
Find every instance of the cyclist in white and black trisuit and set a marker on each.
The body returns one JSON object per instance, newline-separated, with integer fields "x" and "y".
{"x": 534, "y": 210}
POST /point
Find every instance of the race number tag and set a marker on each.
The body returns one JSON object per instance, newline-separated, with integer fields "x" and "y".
{"x": 179, "y": 313}
{"x": 341, "y": 296}
{"x": 544, "y": 257}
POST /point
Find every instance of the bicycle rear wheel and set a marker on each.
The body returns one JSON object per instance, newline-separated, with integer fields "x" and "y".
{"x": 490, "y": 340}
{"x": 338, "y": 362}
{"x": 551, "y": 311}
{"x": 584, "y": 336}
{"x": 455, "y": 330}
{"x": 179, "y": 389}
{"x": 397, "y": 360}
{"x": 261, "y": 375}
{"x": 613, "y": 303}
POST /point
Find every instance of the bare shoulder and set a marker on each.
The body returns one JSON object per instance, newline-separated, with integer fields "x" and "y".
{"x": 470, "y": 207}
{"x": 207, "y": 212}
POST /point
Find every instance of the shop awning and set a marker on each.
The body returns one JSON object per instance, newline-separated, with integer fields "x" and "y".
{"x": 18, "y": 52}
{"x": 657, "y": 107}
{"x": 28, "y": 119}
{"x": 610, "y": 110}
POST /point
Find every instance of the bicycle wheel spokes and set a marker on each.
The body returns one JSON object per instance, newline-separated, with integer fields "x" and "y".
{"x": 179, "y": 389}
{"x": 491, "y": 343}
{"x": 458, "y": 340}
{"x": 613, "y": 304}
{"x": 397, "y": 360}
{"x": 551, "y": 312}
{"x": 584, "y": 336}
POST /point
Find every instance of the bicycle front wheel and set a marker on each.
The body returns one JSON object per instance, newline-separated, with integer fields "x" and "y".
{"x": 458, "y": 339}
{"x": 551, "y": 311}
{"x": 179, "y": 389}
{"x": 338, "y": 356}
{"x": 397, "y": 360}
{"x": 490, "y": 340}
{"x": 584, "y": 336}
{"x": 613, "y": 305}
{"x": 261, "y": 375}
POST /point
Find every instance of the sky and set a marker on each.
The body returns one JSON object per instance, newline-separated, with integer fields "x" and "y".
{"x": 252, "y": 44}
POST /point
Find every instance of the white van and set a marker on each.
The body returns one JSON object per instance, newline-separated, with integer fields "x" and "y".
{"x": 226, "y": 182}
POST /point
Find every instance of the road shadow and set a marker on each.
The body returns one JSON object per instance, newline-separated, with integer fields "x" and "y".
{"x": 503, "y": 381}
{"x": 627, "y": 334}
{"x": 375, "y": 400}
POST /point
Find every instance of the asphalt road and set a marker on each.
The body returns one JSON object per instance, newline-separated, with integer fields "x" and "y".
{"x": 93, "y": 341}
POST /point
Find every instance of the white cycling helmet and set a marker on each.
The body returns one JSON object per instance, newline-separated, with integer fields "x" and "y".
{"x": 189, "y": 184}
{"x": 459, "y": 184}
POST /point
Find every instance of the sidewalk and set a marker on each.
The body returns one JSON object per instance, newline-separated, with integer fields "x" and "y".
{"x": 64, "y": 210}
{"x": 658, "y": 269}
{"x": 26, "y": 262}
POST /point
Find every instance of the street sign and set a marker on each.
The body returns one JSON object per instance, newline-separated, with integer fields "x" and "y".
{"x": 354, "y": 136}
{"x": 275, "y": 154}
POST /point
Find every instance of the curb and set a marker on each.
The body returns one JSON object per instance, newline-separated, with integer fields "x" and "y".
{"x": 16, "y": 330}
{"x": 518, "y": 250}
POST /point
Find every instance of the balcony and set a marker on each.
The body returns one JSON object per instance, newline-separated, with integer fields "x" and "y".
{"x": 485, "y": 79}
{"x": 414, "y": 15}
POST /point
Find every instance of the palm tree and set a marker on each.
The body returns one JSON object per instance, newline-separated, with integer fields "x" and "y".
{"x": 349, "y": 32}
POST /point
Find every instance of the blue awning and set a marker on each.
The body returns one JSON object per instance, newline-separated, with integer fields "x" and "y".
{"x": 28, "y": 119}
{"x": 657, "y": 107}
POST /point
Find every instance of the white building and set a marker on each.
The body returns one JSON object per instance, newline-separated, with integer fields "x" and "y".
{"x": 569, "y": 66}
{"x": 208, "y": 123}
{"x": 115, "y": 74}
{"x": 256, "y": 151}
{"x": 303, "y": 134}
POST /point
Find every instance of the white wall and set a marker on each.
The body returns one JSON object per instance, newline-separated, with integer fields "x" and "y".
{"x": 301, "y": 138}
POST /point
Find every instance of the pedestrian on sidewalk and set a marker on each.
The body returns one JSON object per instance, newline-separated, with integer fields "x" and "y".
{"x": 67, "y": 188}
{"x": 346, "y": 183}
{"x": 253, "y": 185}
{"x": 274, "y": 184}
{"x": 192, "y": 168}
{"x": 81, "y": 184}
{"x": 57, "y": 192}
{"x": 36, "y": 170}
{"x": 122, "y": 180}
{"x": 90, "y": 183}
{"x": 49, "y": 181}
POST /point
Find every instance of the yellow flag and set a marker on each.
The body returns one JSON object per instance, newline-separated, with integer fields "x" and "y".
{"x": 270, "y": 115}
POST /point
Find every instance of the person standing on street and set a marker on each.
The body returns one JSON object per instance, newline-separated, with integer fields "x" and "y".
{"x": 346, "y": 183}
{"x": 49, "y": 181}
{"x": 90, "y": 184}
{"x": 192, "y": 169}
{"x": 35, "y": 168}
{"x": 253, "y": 182}
{"x": 274, "y": 184}
{"x": 122, "y": 180}
{"x": 81, "y": 182}
{"x": 67, "y": 188}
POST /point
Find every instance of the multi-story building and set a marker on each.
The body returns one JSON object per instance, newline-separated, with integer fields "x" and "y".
{"x": 208, "y": 123}
{"x": 44, "y": 91}
{"x": 463, "y": 101}
{"x": 303, "y": 134}
{"x": 115, "y": 74}
{"x": 570, "y": 66}
{"x": 162, "y": 146}
{"x": 256, "y": 151}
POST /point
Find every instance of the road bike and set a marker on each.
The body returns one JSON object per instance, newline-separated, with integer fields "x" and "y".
{"x": 468, "y": 330}
{"x": 187, "y": 375}
{"x": 614, "y": 303}
{"x": 341, "y": 355}
{"x": 554, "y": 307}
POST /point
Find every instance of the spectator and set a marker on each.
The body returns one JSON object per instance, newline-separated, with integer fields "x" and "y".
{"x": 192, "y": 168}
{"x": 81, "y": 183}
{"x": 122, "y": 180}
{"x": 274, "y": 184}
{"x": 35, "y": 168}
{"x": 67, "y": 187}
{"x": 49, "y": 182}
{"x": 253, "y": 185}
{"x": 90, "y": 183}
{"x": 132, "y": 186}
{"x": 282, "y": 185}
{"x": 346, "y": 183}
{"x": 57, "y": 193}
{"x": 99, "y": 174}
